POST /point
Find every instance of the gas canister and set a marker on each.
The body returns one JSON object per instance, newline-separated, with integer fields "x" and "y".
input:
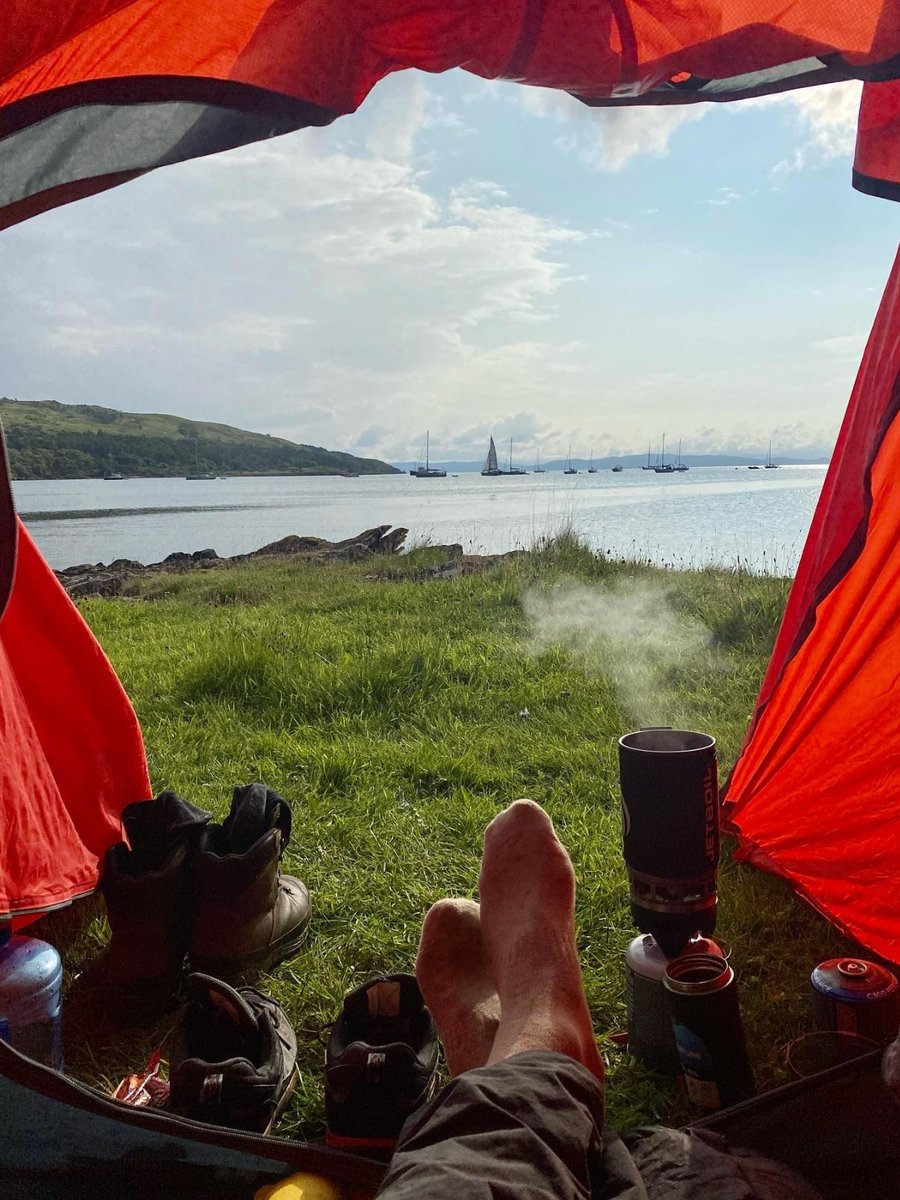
{"x": 855, "y": 996}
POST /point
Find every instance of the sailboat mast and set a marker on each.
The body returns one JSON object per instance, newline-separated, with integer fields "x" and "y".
{"x": 426, "y": 449}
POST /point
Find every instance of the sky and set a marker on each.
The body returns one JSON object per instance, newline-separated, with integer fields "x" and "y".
{"x": 474, "y": 259}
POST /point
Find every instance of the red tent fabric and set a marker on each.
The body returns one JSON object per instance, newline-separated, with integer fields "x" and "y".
{"x": 815, "y": 795}
{"x": 96, "y": 92}
{"x": 71, "y": 754}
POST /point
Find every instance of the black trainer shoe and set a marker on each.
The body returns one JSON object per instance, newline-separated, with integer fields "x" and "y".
{"x": 235, "y": 1057}
{"x": 380, "y": 1063}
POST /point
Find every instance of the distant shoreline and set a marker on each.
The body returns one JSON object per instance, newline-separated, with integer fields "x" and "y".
{"x": 468, "y": 468}
{"x": 628, "y": 462}
{"x": 226, "y": 475}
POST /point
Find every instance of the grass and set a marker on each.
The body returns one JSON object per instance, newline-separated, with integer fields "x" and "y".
{"x": 398, "y": 717}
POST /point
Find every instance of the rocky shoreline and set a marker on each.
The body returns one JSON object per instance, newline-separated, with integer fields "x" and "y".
{"x": 107, "y": 579}
{"x": 384, "y": 543}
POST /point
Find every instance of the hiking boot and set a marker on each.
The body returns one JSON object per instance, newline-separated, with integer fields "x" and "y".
{"x": 146, "y": 885}
{"x": 247, "y": 916}
{"x": 380, "y": 1063}
{"x": 234, "y": 1061}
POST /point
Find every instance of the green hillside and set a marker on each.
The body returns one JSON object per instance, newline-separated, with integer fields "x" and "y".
{"x": 49, "y": 440}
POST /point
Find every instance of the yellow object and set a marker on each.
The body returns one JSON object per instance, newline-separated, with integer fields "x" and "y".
{"x": 300, "y": 1187}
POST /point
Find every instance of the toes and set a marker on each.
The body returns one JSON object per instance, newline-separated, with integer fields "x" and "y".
{"x": 446, "y": 923}
{"x": 447, "y": 916}
{"x": 523, "y": 818}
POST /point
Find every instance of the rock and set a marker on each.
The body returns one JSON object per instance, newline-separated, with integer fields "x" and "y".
{"x": 80, "y": 569}
{"x": 449, "y": 570}
{"x": 371, "y": 538}
{"x": 392, "y": 542}
{"x": 107, "y": 584}
{"x": 286, "y": 545}
{"x": 355, "y": 553}
{"x": 97, "y": 579}
{"x": 449, "y": 553}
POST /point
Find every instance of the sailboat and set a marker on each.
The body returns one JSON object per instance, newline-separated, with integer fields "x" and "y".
{"x": 570, "y": 470}
{"x": 538, "y": 469}
{"x": 490, "y": 463}
{"x": 648, "y": 466}
{"x": 679, "y": 465}
{"x": 618, "y": 467}
{"x": 110, "y": 473}
{"x": 592, "y": 470}
{"x": 771, "y": 466}
{"x": 662, "y": 467}
{"x": 428, "y": 471}
{"x": 511, "y": 470}
{"x": 198, "y": 474}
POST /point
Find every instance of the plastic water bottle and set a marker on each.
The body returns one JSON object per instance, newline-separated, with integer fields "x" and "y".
{"x": 31, "y": 997}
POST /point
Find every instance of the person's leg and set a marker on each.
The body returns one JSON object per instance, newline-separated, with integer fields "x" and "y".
{"x": 527, "y": 889}
{"x": 522, "y": 1116}
{"x": 521, "y": 1119}
{"x": 454, "y": 973}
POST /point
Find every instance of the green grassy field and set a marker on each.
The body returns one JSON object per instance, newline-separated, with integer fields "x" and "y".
{"x": 398, "y": 717}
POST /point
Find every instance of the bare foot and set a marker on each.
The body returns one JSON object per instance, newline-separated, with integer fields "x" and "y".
{"x": 527, "y": 889}
{"x": 454, "y": 974}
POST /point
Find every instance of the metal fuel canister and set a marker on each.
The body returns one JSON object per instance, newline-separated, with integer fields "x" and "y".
{"x": 709, "y": 1034}
{"x": 855, "y": 996}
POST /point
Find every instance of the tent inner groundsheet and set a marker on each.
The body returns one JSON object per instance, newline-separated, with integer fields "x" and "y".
{"x": 64, "y": 1141}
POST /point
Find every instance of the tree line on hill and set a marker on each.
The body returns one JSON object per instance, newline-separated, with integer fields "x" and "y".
{"x": 70, "y": 454}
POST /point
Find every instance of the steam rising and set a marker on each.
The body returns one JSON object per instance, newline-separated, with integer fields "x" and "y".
{"x": 631, "y": 633}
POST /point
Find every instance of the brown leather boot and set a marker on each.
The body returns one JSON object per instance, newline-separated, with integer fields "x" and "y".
{"x": 146, "y": 885}
{"x": 247, "y": 916}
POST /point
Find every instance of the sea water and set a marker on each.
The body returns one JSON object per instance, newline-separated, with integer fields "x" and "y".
{"x": 754, "y": 520}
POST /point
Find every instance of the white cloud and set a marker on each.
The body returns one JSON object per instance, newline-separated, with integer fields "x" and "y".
{"x": 724, "y": 196}
{"x": 93, "y": 337}
{"x": 302, "y": 289}
{"x": 824, "y": 117}
{"x": 245, "y": 332}
{"x": 844, "y": 346}
{"x": 400, "y": 117}
{"x": 607, "y": 139}
{"x": 830, "y": 117}
{"x": 329, "y": 288}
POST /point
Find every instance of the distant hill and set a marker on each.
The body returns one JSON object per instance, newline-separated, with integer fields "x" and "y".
{"x": 49, "y": 440}
{"x": 630, "y": 461}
